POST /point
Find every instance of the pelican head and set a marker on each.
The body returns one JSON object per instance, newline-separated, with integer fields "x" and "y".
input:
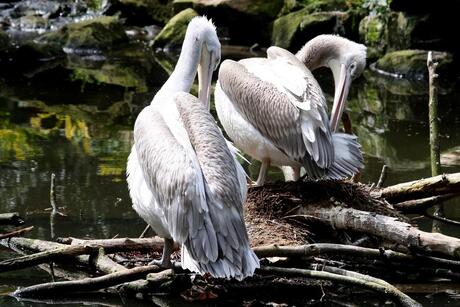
{"x": 345, "y": 58}
{"x": 205, "y": 37}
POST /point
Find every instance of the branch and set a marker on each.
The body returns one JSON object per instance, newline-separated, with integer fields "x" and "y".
{"x": 438, "y": 185}
{"x": 84, "y": 285}
{"x": 16, "y": 232}
{"x": 385, "y": 227}
{"x": 417, "y": 205}
{"x": 360, "y": 282}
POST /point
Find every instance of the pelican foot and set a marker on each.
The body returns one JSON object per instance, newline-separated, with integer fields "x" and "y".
{"x": 162, "y": 263}
{"x": 165, "y": 261}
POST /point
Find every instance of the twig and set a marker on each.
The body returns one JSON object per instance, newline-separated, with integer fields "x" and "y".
{"x": 88, "y": 284}
{"x": 383, "y": 176}
{"x": 144, "y": 232}
{"x": 16, "y": 233}
{"x": 442, "y": 219}
{"x": 417, "y": 205}
{"x": 379, "y": 287}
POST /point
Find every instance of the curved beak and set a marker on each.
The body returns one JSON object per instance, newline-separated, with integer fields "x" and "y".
{"x": 342, "y": 87}
{"x": 205, "y": 71}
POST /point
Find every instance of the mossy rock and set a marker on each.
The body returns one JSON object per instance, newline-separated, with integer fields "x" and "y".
{"x": 292, "y": 31}
{"x": 412, "y": 63}
{"x": 373, "y": 33}
{"x": 143, "y": 12}
{"x": 173, "y": 33}
{"x": 101, "y": 33}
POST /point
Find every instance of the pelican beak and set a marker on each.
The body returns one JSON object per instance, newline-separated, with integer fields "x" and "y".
{"x": 341, "y": 92}
{"x": 205, "y": 70}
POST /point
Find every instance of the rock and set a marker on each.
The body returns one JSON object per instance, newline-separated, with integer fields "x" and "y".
{"x": 239, "y": 22}
{"x": 295, "y": 29}
{"x": 373, "y": 33}
{"x": 143, "y": 12}
{"x": 101, "y": 33}
{"x": 412, "y": 63}
{"x": 173, "y": 33}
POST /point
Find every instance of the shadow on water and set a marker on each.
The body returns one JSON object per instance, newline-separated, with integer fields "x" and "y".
{"x": 74, "y": 117}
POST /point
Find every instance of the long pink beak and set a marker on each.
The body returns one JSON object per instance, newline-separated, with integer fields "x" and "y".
{"x": 340, "y": 97}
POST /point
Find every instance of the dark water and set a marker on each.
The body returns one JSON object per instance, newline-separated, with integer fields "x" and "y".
{"x": 73, "y": 117}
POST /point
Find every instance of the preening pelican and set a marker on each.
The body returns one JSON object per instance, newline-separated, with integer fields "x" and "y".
{"x": 183, "y": 179}
{"x": 274, "y": 110}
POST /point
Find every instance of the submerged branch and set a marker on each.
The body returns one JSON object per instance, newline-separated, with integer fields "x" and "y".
{"x": 16, "y": 233}
{"x": 419, "y": 205}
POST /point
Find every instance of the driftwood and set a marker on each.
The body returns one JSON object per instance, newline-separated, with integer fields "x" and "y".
{"x": 420, "y": 205}
{"x": 385, "y": 227}
{"x": 280, "y": 214}
{"x": 438, "y": 185}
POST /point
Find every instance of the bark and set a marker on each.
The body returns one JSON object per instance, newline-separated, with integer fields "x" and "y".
{"x": 438, "y": 185}
{"x": 16, "y": 233}
{"x": 385, "y": 227}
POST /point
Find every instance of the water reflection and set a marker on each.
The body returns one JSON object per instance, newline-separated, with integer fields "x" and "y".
{"x": 74, "y": 117}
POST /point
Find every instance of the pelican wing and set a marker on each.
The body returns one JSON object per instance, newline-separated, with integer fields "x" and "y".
{"x": 285, "y": 103}
{"x": 193, "y": 176}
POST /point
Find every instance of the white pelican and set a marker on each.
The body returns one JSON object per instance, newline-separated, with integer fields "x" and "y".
{"x": 274, "y": 110}
{"x": 183, "y": 179}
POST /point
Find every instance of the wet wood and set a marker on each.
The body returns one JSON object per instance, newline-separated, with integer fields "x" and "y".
{"x": 126, "y": 244}
{"x": 16, "y": 233}
{"x": 366, "y": 282}
{"x": 433, "y": 116}
{"x": 438, "y": 185}
{"x": 420, "y": 205}
{"x": 385, "y": 227}
{"x": 62, "y": 288}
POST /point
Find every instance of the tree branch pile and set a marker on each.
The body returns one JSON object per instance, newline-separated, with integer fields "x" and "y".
{"x": 310, "y": 235}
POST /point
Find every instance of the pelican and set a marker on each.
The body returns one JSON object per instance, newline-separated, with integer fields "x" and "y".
{"x": 273, "y": 109}
{"x": 183, "y": 178}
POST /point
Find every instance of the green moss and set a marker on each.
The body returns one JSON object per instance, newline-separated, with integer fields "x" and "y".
{"x": 99, "y": 33}
{"x": 411, "y": 63}
{"x": 173, "y": 33}
{"x": 373, "y": 32}
{"x": 285, "y": 27}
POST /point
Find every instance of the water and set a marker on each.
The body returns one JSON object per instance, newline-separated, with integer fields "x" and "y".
{"x": 73, "y": 117}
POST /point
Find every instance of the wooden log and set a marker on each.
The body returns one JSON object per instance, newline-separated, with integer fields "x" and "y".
{"x": 12, "y": 218}
{"x": 420, "y": 205}
{"x": 400, "y": 297}
{"x": 126, "y": 244}
{"x": 438, "y": 185}
{"x": 60, "y": 288}
{"x": 384, "y": 227}
{"x": 16, "y": 233}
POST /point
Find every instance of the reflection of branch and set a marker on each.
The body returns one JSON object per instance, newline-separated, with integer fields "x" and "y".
{"x": 362, "y": 281}
{"x": 54, "y": 210}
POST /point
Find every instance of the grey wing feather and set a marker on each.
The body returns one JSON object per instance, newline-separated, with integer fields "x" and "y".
{"x": 175, "y": 180}
{"x": 298, "y": 133}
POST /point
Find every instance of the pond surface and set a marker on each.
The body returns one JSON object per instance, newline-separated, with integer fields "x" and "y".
{"x": 74, "y": 116}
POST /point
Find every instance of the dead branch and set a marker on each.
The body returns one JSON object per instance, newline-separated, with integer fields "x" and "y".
{"x": 126, "y": 244}
{"x": 16, "y": 233}
{"x": 12, "y": 218}
{"x": 419, "y": 205}
{"x": 438, "y": 185}
{"x": 383, "y": 176}
{"x": 384, "y": 227}
{"x": 56, "y": 289}
{"x": 360, "y": 282}
{"x": 442, "y": 219}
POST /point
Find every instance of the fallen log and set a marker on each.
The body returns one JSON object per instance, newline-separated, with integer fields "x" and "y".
{"x": 438, "y": 185}
{"x": 385, "y": 227}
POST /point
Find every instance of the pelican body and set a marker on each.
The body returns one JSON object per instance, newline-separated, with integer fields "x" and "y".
{"x": 274, "y": 110}
{"x": 183, "y": 178}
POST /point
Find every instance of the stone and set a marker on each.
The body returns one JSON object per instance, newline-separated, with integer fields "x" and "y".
{"x": 172, "y": 35}
{"x": 143, "y": 12}
{"x": 101, "y": 33}
{"x": 412, "y": 63}
{"x": 373, "y": 33}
